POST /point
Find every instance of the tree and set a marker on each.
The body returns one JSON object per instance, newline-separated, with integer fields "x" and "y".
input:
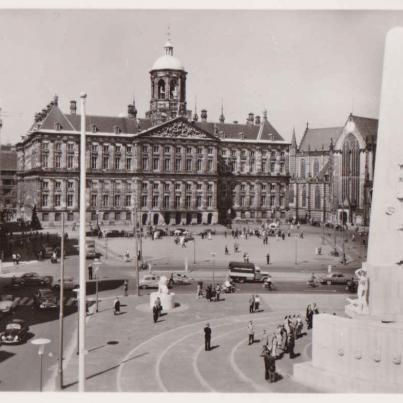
{"x": 35, "y": 223}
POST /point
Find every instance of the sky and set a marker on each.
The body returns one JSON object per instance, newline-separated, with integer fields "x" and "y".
{"x": 302, "y": 66}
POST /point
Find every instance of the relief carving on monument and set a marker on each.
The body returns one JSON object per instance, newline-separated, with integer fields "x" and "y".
{"x": 360, "y": 304}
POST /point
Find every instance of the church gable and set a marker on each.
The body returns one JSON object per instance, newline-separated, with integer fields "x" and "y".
{"x": 178, "y": 128}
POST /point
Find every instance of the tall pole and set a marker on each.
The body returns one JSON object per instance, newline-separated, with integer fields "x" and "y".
{"x": 136, "y": 248}
{"x": 82, "y": 303}
{"x": 1, "y": 181}
{"x": 61, "y": 307}
{"x": 194, "y": 250}
{"x": 41, "y": 373}
{"x": 296, "y": 248}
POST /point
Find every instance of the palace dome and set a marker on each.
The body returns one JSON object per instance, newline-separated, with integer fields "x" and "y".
{"x": 168, "y": 61}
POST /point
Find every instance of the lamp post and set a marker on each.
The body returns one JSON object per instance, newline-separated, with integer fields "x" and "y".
{"x": 194, "y": 249}
{"x": 82, "y": 294}
{"x": 97, "y": 265}
{"x": 213, "y": 256}
{"x": 77, "y": 292}
{"x": 296, "y": 248}
{"x": 136, "y": 248}
{"x": 61, "y": 306}
{"x": 41, "y": 343}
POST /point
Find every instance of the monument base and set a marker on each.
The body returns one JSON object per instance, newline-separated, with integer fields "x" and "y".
{"x": 167, "y": 300}
{"x": 351, "y": 355}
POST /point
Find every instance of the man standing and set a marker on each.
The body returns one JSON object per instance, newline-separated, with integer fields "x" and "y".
{"x": 207, "y": 337}
{"x": 251, "y": 304}
{"x": 251, "y": 333}
{"x": 116, "y": 306}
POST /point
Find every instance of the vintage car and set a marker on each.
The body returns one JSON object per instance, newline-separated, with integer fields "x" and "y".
{"x": 31, "y": 279}
{"x": 45, "y": 298}
{"x": 16, "y": 331}
{"x": 7, "y": 304}
{"x": 149, "y": 281}
{"x": 180, "y": 279}
{"x": 335, "y": 278}
{"x": 68, "y": 284}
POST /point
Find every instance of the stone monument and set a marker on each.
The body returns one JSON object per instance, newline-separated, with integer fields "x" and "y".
{"x": 363, "y": 352}
{"x": 167, "y": 298}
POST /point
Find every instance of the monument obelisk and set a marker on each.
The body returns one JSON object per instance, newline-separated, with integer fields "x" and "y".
{"x": 364, "y": 353}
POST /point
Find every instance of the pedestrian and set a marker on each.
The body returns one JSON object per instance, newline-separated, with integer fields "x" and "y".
{"x": 127, "y": 256}
{"x": 116, "y": 306}
{"x": 302, "y": 235}
{"x": 90, "y": 271}
{"x": 18, "y": 258}
{"x": 288, "y": 233}
{"x": 226, "y": 250}
{"x": 268, "y": 258}
{"x": 155, "y": 313}
{"x": 251, "y": 333}
{"x": 126, "y": 287}
{"x": 299, "y": 327}
{"x": 257, "y": 303}
{"x": 217, "y": 292}
{"x": 291, "y": 345}
{"x": 207, "y": 337}
{"x": 14, "y": 258}
{"x": 209, "y": 292}
{"x": 283, "y": 235}
{"x": 269, "y": 365}
{"x": 265, "y": 339}
{"x": 309, "y": 316}
{"x": 251, "y": 304}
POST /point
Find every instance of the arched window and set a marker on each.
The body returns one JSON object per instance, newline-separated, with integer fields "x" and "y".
{"x": 317, "y": 197}
{"x": 351, "y": 170}
{"x": 173, "y": 90}
{"x": 303, "y": 196}
{"x": 315, "y": 167}
{"x": 161, "y": 89}
{"x": 302, "y": 168}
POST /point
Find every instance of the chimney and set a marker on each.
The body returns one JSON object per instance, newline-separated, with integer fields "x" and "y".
{"x": 265, "y": 115}
{"x": 131, "y": 111}
{"x": 44, "y": 113}
{"x": 73, "y": 107}
{"x": 38, "y": 117}
{"x": 250, "y": 119}
{"x": 204, "y": 115}
{"x": 257, "y": 120}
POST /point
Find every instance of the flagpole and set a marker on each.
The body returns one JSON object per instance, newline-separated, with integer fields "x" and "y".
{"x": 82, "y": 293}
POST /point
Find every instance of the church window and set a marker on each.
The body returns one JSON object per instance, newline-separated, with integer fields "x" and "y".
{"x": 315, "y": 167}
{"x": 302, "y": 168}
{"x": 303, "y": 201}
{"x": 317, "y": 197}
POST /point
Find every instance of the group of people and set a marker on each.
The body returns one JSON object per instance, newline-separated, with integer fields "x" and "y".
{"x": 254, "y": 303}
{"x": 213, "y": 293}
{"x": 16, "y": 258}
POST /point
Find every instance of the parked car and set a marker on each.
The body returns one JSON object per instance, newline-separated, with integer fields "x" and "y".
{"x": 31, "y": 279}
{"x": 352, "y": 285}
{"x": 7, "y": 304}
{"x": 47, "y": 251}
{"x": 113, "y": 233}
{"x": 68, "y": 284}
{"x": 45, "y": 298}
{"x": 273, "y": 225}
{"x": 335, "y": 278}
{"x": 16, "y": 331}
{"x": 181, "y": 279}
{"x": 149, "y": 281}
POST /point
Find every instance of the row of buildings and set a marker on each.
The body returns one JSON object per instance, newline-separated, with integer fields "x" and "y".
{"x": 174, "y": 167}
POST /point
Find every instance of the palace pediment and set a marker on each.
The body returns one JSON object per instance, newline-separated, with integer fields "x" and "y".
{"x": 178, "y": 128}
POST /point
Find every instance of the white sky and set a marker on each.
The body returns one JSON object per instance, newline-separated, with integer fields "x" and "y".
{"x": 302, "y": 66}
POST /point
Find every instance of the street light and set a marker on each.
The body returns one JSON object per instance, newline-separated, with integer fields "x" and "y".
{"x": 296, "y": 248}
{"x": 97, "y": 265}
{"x": 41, "y": 343}
{"x": 213, "y": 256}
{"x": 194, "y": 249}
{"x": 136, "y": 247}
{"x": 61, "y": 305}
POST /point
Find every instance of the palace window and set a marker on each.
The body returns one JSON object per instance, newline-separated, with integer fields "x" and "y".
{"x": 117, "y": 215}
{"x": 188, "y": 187}
{"x": 188, "y": 165}
{"x": 145, "y": 148}
{"x": 209, "y": 187}
{"x": 58, "y": 159}
{"x": 143, "y": 201}
{"x": 117, "y": 163}
{"x": 188, "y": 201}
{"x": 178, "y": 150}
{"x": 166, "y": 201}
{"x": 94, "y": 148}
{"x": 105, "y": 200}
{"x": 302, "y": 168}
{"x": 155, "y": 186}
{"x": 155, "y": 201}
{"x": 128, "y": 164}
{"x": 144, "y": 186}
{"x": 106, "y": 216}
{"x": 161, "y": 89}
{"x": 58, "y": 147}
{"x": 242, "y": 201}
{"x": 156, "y": 163}
{"x": 210, "y": 150}
{"x": 117, "y": 201}
{"x": 70, "y": 185}
{"x": 177, "y": 165}
{"x": 156, "y": 149}
{"x": 166, "y": 187}
{"x": 105, "y": 162}
{"x": 303, "y": 201}
{"x": 210, "y": 165}
{"x": 128, "y": 149}
{"x": 252, "y": 201}
{"x": 70, "y": 147}
{"x": 167, "y": 149}
{"x": 252, "y": 188}
{"x": 145, "y": 163}
{"x": 263, "y": 200}
{"x": 199, "y": 186}
{"x": 58, "y": 186}
{"x": 167, "y": 164}
{"x": 93, "y": 162}
{"x": 198, "y": 201}
{"x": 177, "y": 201}
{"x": 128, "y": 200}
{"x": 188, "y": 150}
{"x": 272, "y": 200}
{"x": 45, "y": 160}
{"x": 106, "y": 148}
{"x": 70, "y": 161}
{"x": 70, "y": 200}
{"x": 45, "y": 200}
{"x": 177, "y": 186}
{"x": 93, "y": 200}
{"x": 199, "y": 165}
{"x": 199, "y": 150}
{"x": 242, "y": 188}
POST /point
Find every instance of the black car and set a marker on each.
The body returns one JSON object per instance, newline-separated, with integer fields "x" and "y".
{"x": 31, "y": 279}
{"x": 45, "y": 299}
{"x": 16, "y": 331}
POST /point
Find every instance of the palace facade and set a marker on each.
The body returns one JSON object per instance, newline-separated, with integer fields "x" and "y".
{"x": 170, "y": 167}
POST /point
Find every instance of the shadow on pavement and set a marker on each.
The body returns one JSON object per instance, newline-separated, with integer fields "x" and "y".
{"x": 4, "y": 355}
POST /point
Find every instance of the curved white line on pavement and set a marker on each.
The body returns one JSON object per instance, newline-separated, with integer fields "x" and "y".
{"x": 305, "y": 351}
{"x": 130, "y": 353}
{"x": 195, "y": 367}
{"x": 240, "y": 373}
